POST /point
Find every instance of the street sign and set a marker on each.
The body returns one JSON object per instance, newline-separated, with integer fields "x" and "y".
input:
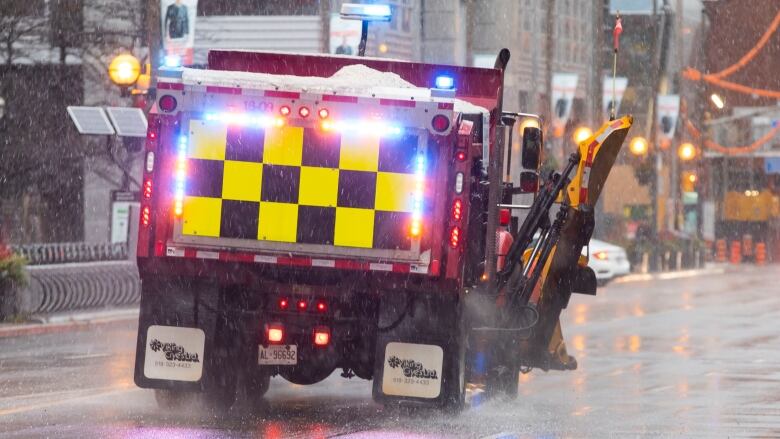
{"x": 772, "y": 165}
{"x": 128, "y": 121}
{"x": 564, "y": 87}
{"x": 90, "y": 120}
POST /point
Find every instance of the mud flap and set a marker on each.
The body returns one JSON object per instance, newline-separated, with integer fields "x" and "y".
{"x": 176, "y": 334}
{"x": 420, "y": 359}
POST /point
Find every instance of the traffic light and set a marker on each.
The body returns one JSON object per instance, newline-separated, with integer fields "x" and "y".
{"x": 688, "y": 181}
{"x": 642, "y": 164}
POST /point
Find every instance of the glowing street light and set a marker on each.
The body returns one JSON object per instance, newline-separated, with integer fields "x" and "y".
{"x": 582, "y": 134}
{"x": 717, "y": 100}
{"x": 124, "y": 70}
{"x": 686, "y": 151}
{"x": 638, "y": 146}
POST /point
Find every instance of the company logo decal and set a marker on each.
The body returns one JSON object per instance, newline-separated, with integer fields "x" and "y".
{"x": 412, "y": 369}
{"x": 173, "y": 352}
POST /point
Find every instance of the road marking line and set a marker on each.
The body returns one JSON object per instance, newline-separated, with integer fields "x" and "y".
{"x": 86, "y": 356}
{"x": 44, "y": 405}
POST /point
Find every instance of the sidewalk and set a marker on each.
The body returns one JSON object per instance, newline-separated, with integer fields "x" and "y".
{"x": 68, "y": 321}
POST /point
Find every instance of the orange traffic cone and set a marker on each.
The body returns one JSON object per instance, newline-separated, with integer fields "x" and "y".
{"x": 760, "y": 253}
{"x": 736, "y": 252}
{"x": 720, "y": 250}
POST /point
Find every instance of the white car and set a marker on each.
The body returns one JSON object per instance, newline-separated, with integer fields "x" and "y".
{"x": 607, "y": 260}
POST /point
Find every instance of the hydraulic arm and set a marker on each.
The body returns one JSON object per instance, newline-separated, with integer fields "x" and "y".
{"x": 542, "y": 276}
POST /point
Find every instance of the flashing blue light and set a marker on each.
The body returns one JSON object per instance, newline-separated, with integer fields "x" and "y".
{"x": 172, "y": 61}
{"x": 356, "y": 11}
{"x": 445, "y": 82}
{"x": 377, "y": 10}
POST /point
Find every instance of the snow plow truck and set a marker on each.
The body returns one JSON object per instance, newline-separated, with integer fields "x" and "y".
{"x": 303, "y": 214}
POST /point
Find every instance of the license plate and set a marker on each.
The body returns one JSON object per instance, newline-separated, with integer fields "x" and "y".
{"x": 278, "y": 355}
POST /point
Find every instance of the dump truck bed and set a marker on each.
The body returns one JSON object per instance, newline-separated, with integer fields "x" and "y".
{"x": 280, "y": 165}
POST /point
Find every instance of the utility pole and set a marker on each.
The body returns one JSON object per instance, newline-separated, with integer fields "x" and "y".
{"x": 675, "y": 192}
{"x": 549, "y": 49}
{"x": 600, "y": 14}
{"x": 154, "y": 41}
{"x": 661, "y": 43}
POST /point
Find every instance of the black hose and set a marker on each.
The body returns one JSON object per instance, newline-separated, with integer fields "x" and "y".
{"x": 400, "y": 318}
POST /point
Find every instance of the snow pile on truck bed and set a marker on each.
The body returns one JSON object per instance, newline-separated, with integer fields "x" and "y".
{"x": 352, "y": 80}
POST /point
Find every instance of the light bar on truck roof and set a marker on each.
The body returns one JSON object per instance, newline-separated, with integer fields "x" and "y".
{"x": 367, "y": 127}
{"x": 245, "y": 119}
{"x": 355, "y": 11}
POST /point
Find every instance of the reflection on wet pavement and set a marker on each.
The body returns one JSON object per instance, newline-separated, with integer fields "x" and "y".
{"x": 693, "y": 357}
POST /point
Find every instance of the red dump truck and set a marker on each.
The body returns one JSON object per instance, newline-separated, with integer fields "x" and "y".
{"x": 307, "y": 213}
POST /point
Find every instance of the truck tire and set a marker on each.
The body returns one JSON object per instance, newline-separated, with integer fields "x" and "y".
{"x": 170, "y": 399}
{"x": 257, "y": 385}
{"x": 502, "y": 382}
{"x": 455, "y": 375}
{"x": 220, "y": 396}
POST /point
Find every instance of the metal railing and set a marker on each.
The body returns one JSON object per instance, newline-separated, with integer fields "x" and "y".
{"x": 67, "y": 252}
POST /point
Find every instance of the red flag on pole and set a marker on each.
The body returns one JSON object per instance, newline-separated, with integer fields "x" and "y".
{"x": 616, "y": 33}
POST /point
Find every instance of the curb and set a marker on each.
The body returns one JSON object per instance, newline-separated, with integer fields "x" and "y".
{"x": 644, "y": 277}
{"x": 65, "y": 323}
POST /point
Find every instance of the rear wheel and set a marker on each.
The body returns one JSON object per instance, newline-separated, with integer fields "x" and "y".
{"x": 257, "y": 385}
{"x": 170, "y": 399}
{"x": 221, "y": 394}
{"x": 502, "y": 382}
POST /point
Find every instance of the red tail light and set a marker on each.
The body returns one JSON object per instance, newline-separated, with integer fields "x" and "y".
{"x": 321, "y": 336}
{"x": 146, "y": 216}
{"x": 167, "y": 103}
{"x": 284, "y": 110}
{"x": 302, "y": 305}
{"x": 274, "y": 333}
{"x": 440, "y": 123}
{"x": 457, "y": 209}
{"x": 461, "y": 156}
{"x": 504, "y": 217}
{"x": 304, "y": 111}
{"x": 455, "y": 237}
{"x": 322, "y": 306}
{"x": 324, "y": 113}
{"x": 284, "y": 304}
{"x": 148, "y": 189}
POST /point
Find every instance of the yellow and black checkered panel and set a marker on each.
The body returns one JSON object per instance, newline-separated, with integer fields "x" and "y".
{"x": 299, "y": 185}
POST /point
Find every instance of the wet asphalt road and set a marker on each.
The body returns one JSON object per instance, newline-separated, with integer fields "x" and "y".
{"x": 693, "y": 357}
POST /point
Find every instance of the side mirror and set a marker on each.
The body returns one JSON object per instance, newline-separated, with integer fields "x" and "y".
{"x": 532, "y": 148}
{"x": 529, "y": 182}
